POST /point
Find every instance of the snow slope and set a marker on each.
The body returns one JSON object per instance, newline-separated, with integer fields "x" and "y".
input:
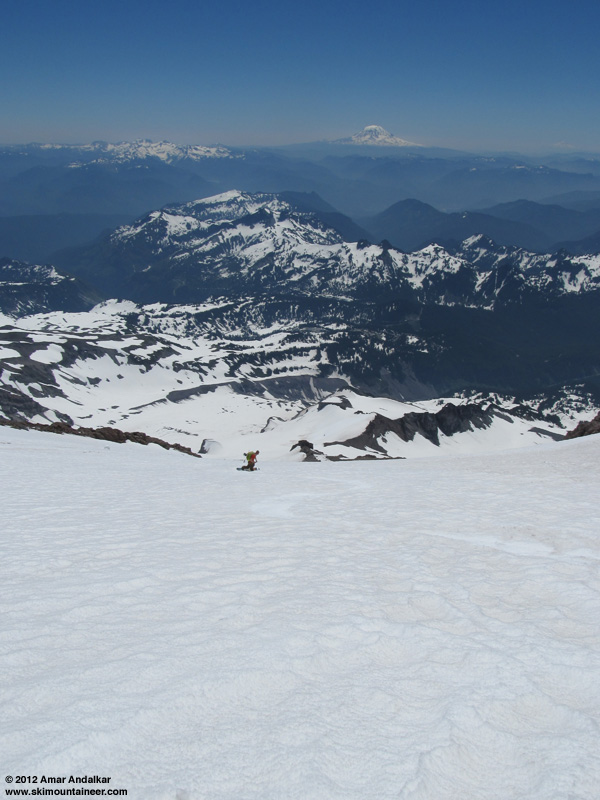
{"x": 175, "y": 377}
{"x": 417, "y": 630}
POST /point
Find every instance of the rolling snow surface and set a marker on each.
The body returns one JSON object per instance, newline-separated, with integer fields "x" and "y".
{"x": 418, "y": 630}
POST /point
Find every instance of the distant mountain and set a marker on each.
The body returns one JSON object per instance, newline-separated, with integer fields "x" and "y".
{"x": 588, "y": 245}
{"x": 360, "y": 178}
{"x": 265, "y": 299}
{"x": 576, "y": 162}
{"x": 105, "y": 152}
{"x": 412, "y": 225}
{"x": 36, "y": 237}
{"x": 235, "y": 242}
{"x": 577, "y": 200}
{"x": 33, "y": 289}
{"x": 479, "y": 316}
{"x": 99, "y": 188}
{"x": 255, "y": 312}
{"x": 553, "y": 221}
{"x": 376, "y": 136}
{"x": 144, "y": 149}
{"x": 542, "y": 228}
{"x": 482, "y": 184}
{"x": 241, "y": 243}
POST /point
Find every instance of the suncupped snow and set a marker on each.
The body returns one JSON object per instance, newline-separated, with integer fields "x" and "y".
{"x": 403, "y": 629}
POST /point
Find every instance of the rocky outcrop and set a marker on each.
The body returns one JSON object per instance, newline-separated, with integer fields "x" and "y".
{"x": 585, "y": 428}
{"x": 106, "y": 434}
{"x": 308, "y": 449}
{"x": 311, "y": 454}
{"x": 450, "y": 419}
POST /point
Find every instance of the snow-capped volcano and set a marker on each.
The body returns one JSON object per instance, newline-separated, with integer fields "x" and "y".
{"x": 377, "y": 136}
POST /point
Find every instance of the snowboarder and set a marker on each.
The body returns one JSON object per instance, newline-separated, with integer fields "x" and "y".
{"x": 250, "y": 460}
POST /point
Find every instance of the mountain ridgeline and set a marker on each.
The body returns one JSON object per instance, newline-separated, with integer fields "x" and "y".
{"x": 333, "y": 295}
{"x": 55, "y": 196}
{"x": 476, "y": 316}
{"x": 33, "y": 289}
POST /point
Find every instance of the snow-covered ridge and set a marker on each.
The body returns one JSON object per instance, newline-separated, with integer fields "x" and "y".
{"x": 240, "y": 219}
{"x": 156, "y": 368}
{"x": 141, "y": 149}
{"x": 558, "y": 272}
{"x": 188, "y": 375}
{"x": 30, "y": 288}
{"x": 260, "y": 238}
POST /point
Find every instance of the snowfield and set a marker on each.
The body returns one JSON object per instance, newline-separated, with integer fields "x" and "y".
{"x": 227, "y": 393}
{"x": 423, "y": 629}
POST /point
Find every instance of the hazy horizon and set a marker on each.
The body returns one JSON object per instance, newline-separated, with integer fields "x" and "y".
{"x": 557, "y": 149}
{"x": 481, "y": 77}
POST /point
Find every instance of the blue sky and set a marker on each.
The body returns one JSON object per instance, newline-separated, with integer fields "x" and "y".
{"x": 458, "y": 73}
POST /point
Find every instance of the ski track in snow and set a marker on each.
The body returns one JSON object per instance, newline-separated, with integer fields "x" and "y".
{"x": 422, "y": 630}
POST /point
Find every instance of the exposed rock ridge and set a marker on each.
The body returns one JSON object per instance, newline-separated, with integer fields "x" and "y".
{"x": 105, "y": 433}
{"x": 312, "y": 454}
{"x": 448, "y": 421}
{"x": 585, "y": 428}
